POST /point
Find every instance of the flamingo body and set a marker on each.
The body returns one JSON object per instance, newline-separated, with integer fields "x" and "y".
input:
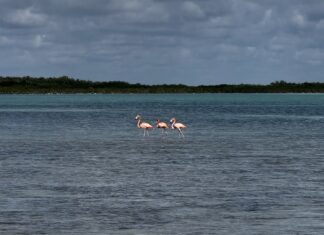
{"x": 162, "y": 125}
{"x": 143, "y": 125}
{"x": 177, "y": 125}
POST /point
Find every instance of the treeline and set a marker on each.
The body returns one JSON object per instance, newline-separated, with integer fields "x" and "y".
{"x": 65, "y": 84}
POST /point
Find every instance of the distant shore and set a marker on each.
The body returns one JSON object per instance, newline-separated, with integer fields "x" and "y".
{"x": 67, "y": 85}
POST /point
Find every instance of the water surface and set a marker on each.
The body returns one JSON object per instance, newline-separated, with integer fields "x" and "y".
{"x": 77, "y": 164}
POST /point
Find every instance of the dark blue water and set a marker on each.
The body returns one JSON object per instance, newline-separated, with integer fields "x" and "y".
{"x": 77, "y": 164}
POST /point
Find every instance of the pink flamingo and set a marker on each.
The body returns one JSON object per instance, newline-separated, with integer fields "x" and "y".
{"x": 161, "y": 125}
{"x": 177, "y": 125}
{"x": 143, "y": 125}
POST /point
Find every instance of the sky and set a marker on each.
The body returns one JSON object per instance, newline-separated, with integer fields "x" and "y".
{"x": 164, "y": 41}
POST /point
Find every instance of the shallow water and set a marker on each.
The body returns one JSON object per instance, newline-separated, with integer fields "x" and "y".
{"x": 77, "y": 164}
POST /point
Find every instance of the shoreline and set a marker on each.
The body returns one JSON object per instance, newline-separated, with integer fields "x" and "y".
{"x": 66, "y": 85}
{"x": 166, "y": 93}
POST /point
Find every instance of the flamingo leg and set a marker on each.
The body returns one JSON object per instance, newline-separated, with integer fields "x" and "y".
{"x": 181, "y": 132}
{"x": 146, "y": 132}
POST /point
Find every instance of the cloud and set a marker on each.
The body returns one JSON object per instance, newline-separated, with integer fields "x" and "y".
{"x": 4, "y": 41}
{"x": 145, "y": 40}
{"x": 314, "y": 56}
{"x": 192, "y": 9}
{"x": 38, "y": 40}
{"x": 25, "y": 18}
{"x": 298, "y": 19}
{"x": 139, "y": 11}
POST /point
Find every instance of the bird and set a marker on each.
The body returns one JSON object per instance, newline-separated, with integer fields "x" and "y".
{"x": 177, "y": 125}
{"x": 161, "y": 125}
{"x": 143, "y": 125}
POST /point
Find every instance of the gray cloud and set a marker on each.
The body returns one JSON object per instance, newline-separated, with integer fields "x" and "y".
{"x": 151, "y": 41}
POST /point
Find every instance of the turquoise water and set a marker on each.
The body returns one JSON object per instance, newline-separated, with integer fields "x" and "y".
{"x": 77, "y": 164}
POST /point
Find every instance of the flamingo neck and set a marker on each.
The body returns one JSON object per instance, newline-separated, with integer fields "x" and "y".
{"x": 172, "y": 125}
{"x": 138, "y": 123}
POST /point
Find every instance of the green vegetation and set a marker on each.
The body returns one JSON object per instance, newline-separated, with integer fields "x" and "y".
{"x": 13, "y": 85}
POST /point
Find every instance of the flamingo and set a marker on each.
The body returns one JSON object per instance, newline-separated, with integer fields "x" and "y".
{"x": 143, "y": 125}
{"x": 161, "y": 125}
{"x": 177, "y": 125}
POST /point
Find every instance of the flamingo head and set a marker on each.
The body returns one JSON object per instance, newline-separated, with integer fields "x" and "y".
{"x": 138, "y": 117}
{"x": 158, "y": 120}
{"x": 172, "y": 120}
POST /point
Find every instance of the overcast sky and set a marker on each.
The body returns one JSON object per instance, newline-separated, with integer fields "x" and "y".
{"x": 165, "y": 41}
